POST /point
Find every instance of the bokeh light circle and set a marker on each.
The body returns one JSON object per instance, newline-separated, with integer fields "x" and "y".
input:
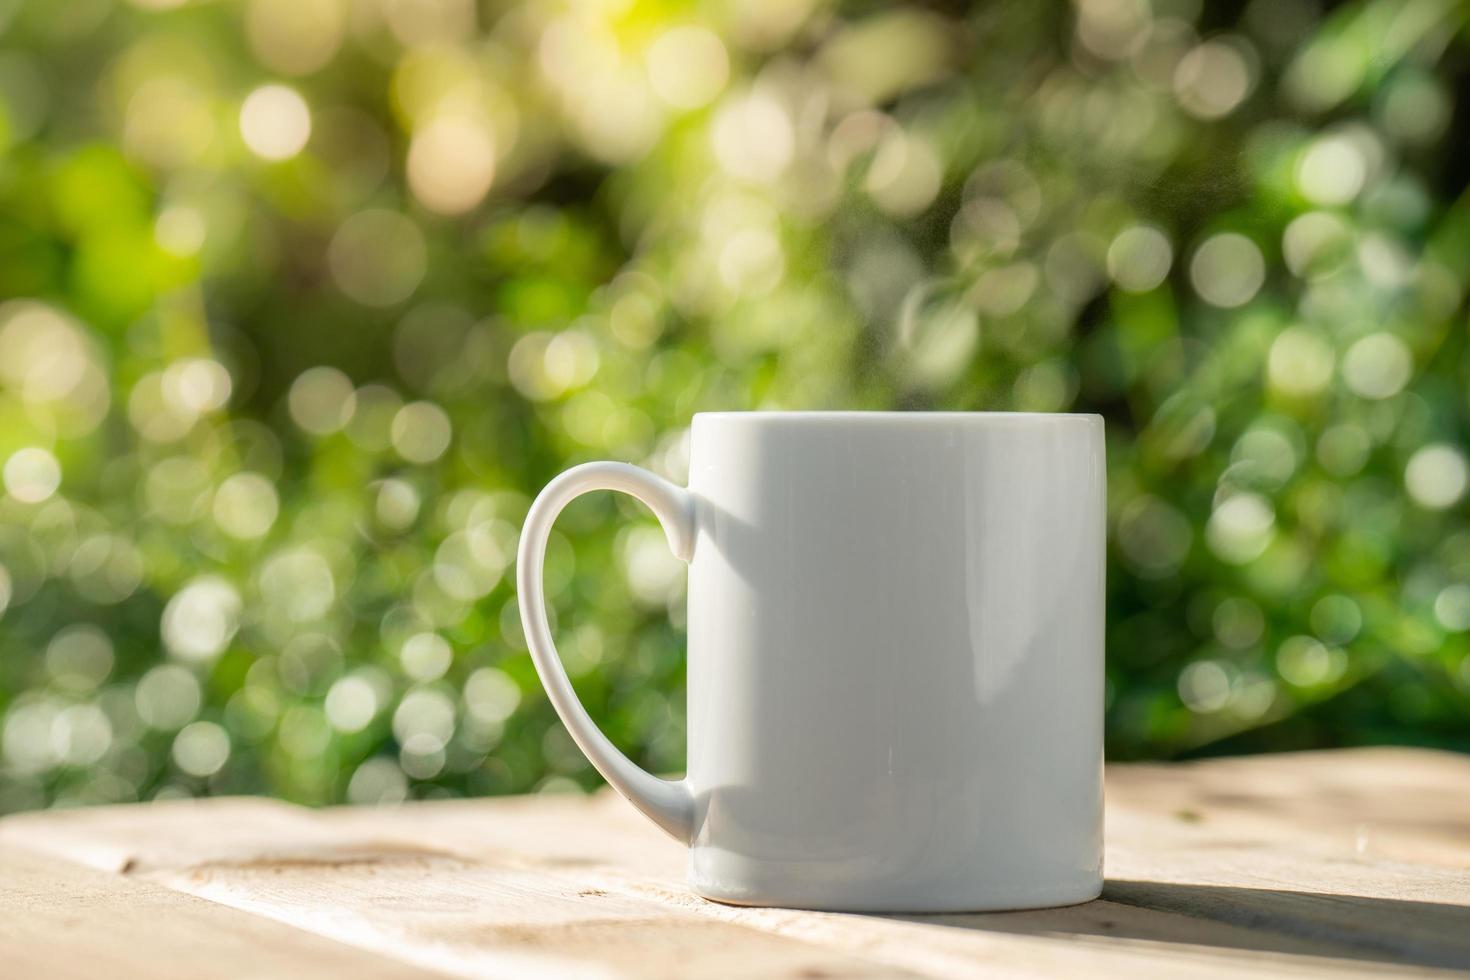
{"x": 378, "y": 257}
{"x": 275, "y": 122}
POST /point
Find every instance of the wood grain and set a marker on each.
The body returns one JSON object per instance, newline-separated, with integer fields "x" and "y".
{"x": 1326, "y": 864}
{"x": 60, "y": 920}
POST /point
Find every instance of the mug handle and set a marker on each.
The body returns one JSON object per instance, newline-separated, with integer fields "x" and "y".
{"x": 668, "y": 803}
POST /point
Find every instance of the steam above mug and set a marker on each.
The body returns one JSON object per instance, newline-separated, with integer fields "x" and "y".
{"x": 895, "y": 657}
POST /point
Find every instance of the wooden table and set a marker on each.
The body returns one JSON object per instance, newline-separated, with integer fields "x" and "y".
{"x": 1337, "y": 864}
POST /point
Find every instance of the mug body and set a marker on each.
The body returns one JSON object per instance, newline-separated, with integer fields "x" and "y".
{"x": 896, "y": 660}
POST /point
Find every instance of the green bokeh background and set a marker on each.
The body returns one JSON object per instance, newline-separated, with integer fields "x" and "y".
{"x": 305, "y": 299}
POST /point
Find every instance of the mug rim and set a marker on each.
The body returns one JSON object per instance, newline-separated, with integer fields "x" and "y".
{"x": 911, "y": 418}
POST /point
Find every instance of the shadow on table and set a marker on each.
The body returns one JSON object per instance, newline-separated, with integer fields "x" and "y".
{"x": 1380, "y": 930}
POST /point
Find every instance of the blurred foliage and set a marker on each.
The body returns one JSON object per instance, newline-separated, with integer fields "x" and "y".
{"x": 303, "y": 299}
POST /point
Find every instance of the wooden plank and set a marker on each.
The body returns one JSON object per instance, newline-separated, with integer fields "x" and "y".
{"x": 1296, "y": 865}
{"x": 397, "y": 894}
{"x": 1304, "y": 855}
{"x": 130, "y": 839}
{"x": 60, "y": 921}
{"x": 1408, "y": 805}
{"x": 481, "y": 918}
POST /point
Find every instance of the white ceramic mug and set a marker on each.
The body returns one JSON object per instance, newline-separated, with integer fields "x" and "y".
{"x": 895, "y": 663}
